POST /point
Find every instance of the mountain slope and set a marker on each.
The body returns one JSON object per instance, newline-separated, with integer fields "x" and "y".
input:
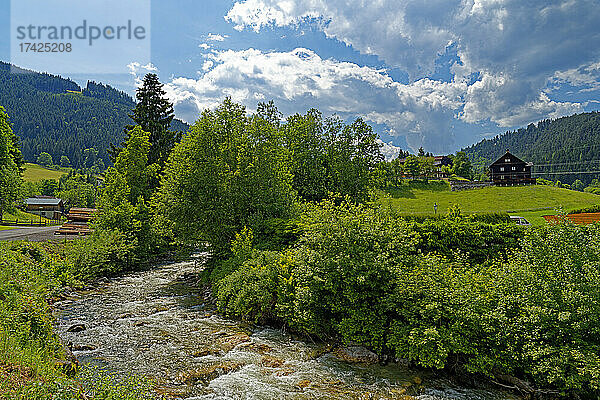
{"x": 54, "y": 115}
{"x": 560, "y": 149}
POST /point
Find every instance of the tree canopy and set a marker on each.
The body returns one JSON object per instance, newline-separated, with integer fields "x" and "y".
{"x": 10, "y": 158}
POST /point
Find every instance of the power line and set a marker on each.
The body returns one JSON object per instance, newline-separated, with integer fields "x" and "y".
{"x": 566, "y": 163}
{"x": 566, "y": 173}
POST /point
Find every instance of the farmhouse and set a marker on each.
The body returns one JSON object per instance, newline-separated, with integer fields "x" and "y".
{"x": 47, "y": 207}
{"x": 510, "y": 170}
{"x": 438, "y": 163}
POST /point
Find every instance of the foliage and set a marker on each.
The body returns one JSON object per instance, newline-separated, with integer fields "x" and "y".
{"x": 154, "y": 114}
{"x": 228, "y": 172}
{"x": 405, "y": 289}
{"x": 411, "y": 167}
{"x": 65, "y": 162}
{"x": 77, "y": 190}
{"x": 578, "y": 185}
{"x": 327, "y": 156}
{"x": 128, "y": 188}
{"x": 105, "y": 253}
{"x": 45, "y": 160}
{"x": 31, "y": 275}
{"x": 461, "y": 166}
{"x": 10, "y": 162}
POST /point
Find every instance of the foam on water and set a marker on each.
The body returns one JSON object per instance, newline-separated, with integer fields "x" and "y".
{"x": 158, "y": 324}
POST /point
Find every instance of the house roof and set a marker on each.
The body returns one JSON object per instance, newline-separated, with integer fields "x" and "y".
{"x": 514, "y": 159}
{"x": 43, "y": 202}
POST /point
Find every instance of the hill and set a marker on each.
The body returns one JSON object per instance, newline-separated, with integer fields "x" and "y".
{"x": 35, "y": 173}
{"x": 558, "y": 148}
{"x": 53, "y": 114}
{"x": 528, "y": 201}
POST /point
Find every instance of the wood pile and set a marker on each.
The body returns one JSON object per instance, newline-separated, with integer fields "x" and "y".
{"x": 579, "y": 219}
{"x": 78, "y": 222}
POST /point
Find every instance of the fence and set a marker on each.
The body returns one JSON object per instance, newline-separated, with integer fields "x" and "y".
{"x": 30, "y": 222}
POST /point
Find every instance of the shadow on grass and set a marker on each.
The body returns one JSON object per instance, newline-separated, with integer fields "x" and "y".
{"x": 405, "y": 191}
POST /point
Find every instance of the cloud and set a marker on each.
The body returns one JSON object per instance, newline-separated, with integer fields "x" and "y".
{"x": 586, "y": 77}
{"x": 204, "y": 46}
{"x": 424, "y": 111}
{"x": 518, "y": 48}
{"x": 207, "y": 65}
{"x": 138, "y": 71}
{"x": 388, "y": 150}
{"x": 213, "y": 37}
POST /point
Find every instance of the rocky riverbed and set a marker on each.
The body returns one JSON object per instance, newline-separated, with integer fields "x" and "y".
{"x": 162, "y": 325}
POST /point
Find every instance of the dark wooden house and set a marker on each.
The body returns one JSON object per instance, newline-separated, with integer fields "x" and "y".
{"x": 510, "y": 170}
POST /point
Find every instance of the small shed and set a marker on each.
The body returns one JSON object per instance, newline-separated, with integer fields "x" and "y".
{"x": 47, "y": 207}
{"x": 510, "y": 170}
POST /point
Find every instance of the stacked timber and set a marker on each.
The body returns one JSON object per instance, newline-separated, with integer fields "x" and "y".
{"x": 579, "y": 219}
{"x": 78, "y": 222}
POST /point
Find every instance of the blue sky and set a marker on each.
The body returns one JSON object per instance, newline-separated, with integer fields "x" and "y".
{"x": 441, "y": 74}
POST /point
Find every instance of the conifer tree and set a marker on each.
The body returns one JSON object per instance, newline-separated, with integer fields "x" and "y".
{"x": 154, "y": 114}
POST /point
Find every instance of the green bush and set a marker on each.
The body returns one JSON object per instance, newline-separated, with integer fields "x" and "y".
{"x": 105, "y": 253}
{"x": 591, "y": 209}
{"x": 442, "y": 294}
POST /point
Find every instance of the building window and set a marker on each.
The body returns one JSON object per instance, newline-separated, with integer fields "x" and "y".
{"x": 501, "y": 168}
{"x": 507, "y": 160}
{"x": 514, "y": 168}
{"x": 502, "y": 177}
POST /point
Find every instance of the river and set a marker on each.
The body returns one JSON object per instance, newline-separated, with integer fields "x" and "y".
{"x": 159, "y": 324}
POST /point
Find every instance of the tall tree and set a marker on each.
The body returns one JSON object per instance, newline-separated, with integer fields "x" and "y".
{"x": 10, "y": 157}
{"x": 154, "y": 114}
{"x": 461, "y": 165}
{"x": 229, "y": 172}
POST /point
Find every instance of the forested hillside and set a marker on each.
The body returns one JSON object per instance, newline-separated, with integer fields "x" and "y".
{"x": 54, "y": 115}
{"x": 559, "y": 149}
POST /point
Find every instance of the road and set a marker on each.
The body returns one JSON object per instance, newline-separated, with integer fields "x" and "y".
{"x": 33, "y": 234}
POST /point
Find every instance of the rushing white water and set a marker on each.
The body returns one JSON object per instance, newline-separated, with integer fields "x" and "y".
{"x": 158, "y": 324}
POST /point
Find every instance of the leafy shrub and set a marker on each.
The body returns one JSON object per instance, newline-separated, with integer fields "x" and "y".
{"x": 105, "y": 253}
{"x": 591, "y": 209}
{"x": 441, "y": 294}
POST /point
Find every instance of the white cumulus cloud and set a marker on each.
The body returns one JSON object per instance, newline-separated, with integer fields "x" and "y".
{"x": 422, "y": 111}
{"x": 518, "y": 48}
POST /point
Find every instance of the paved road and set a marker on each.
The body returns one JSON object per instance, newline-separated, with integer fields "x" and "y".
{"x": 33, "y": 234}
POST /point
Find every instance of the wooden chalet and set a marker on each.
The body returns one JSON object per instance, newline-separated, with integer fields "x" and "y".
{"x": 78, "y": 222}
{"x": 45, "y": 206}
{"x": 510, "y": 170}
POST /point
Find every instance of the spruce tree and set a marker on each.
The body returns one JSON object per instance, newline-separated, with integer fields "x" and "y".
{"x": 154, "y": 114}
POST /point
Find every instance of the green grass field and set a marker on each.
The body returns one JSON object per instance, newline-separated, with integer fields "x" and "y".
{"x": 530, "y": 202}
{"x": 35, "y": 173}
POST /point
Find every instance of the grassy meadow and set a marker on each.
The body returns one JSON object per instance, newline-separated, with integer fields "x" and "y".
{"x": 35, "y": 173}
{"x": 530, "y": 202}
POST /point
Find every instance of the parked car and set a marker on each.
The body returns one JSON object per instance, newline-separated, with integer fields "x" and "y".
{"x": 519, "y": 220}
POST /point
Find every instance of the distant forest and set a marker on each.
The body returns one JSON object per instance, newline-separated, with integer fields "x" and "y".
{"x": 560, "y": 149}
{"x": 54, "y": 115}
